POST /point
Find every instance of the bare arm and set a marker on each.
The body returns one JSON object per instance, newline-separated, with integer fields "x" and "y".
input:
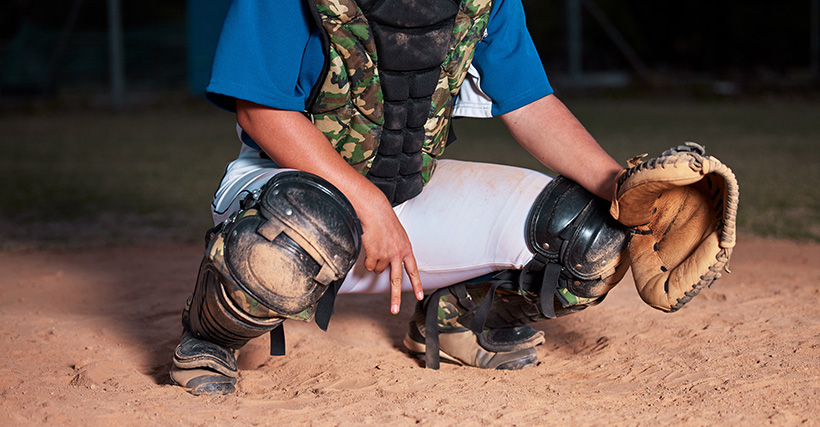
{"x": 292, "y": 141}
{"x": 552, "y": 134}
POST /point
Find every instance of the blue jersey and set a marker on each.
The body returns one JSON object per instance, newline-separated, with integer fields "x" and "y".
{"x": 270, "y": 53}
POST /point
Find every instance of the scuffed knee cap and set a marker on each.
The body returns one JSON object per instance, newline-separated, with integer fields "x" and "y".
{"x": 292, "y": 239}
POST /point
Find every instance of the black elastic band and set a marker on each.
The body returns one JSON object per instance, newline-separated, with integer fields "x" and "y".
{"x": 431, "y": 329}
{"x": 549, "y": 286}
{"x": 483, "y": 311}
{"x": 324, "y": 307}
{"x": 277, "y": 341}
{"x": 460, "y": 291}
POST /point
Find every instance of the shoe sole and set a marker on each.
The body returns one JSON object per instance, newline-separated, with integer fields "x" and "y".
{"x": 203, "y": 381}
{"x": 420, "y": 349}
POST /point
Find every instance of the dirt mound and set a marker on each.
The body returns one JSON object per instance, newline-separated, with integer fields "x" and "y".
{"x": 87, "y": 337}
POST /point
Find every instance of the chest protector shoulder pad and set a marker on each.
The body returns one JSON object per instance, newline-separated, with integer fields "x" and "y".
{"x": 392, "y": 68}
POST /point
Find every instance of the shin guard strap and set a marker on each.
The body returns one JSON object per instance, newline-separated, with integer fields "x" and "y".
{"x": 277, "y": 341}
{"x": 324, "y": 307}
{"x": 431, "y": 329}
{"x": 483, "y": 310}
{"x": 549, "y": 287}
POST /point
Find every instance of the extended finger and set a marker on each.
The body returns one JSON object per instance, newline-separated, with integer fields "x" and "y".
{"x": 412, "y": 270}
{"x": 395, "y": 286}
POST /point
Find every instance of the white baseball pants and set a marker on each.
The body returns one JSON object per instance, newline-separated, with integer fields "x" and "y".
{"x": 469, "y": 220}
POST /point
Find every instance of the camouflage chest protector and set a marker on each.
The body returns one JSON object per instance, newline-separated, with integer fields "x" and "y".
{"x": 392, "y": 68}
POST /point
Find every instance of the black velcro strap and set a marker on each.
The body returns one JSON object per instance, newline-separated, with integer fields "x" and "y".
{"x": 483, "y": 311}
{"x": 324, "y": 307}
{"x": 530, "y": 278}
{"x": 277, "y": 341}
{"x": 324, "y": 310}
{"x": 549, "y": 286}
{"x": 431, "y": 329}
{"x": 460, "y": 291}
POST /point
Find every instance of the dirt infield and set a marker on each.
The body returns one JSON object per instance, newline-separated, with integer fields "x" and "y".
{"x": 87, "y": 336}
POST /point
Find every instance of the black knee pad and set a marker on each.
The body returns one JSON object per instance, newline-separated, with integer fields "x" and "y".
{"x": 291, "y": 241}
{"x": 579, "y": 256}
{"x": 580, "y": 250}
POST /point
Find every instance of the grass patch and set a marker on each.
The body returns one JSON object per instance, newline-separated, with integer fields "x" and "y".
{"x": 72, "y": 177}
{"x": 79, "y": 177}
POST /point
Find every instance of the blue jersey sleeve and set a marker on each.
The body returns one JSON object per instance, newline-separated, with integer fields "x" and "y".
{"x": 511, "y": 71}
{"x": 268, "y": 53}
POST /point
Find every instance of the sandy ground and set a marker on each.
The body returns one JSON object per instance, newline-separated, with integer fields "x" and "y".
{"x": 87, "y": 337}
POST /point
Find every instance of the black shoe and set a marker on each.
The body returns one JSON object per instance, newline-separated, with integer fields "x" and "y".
{"x": 204, "y": 367}
{"x": 508, "y": 348}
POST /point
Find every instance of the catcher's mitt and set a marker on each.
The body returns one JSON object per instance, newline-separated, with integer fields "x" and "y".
{"x": 682, "y": 208}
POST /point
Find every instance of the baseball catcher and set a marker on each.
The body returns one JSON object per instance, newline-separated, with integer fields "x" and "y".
{"x": 343, "y": 110}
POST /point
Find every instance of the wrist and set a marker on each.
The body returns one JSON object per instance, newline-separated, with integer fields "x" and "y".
{"x": 606, "y": 188}
{"x": 365, "y": 197}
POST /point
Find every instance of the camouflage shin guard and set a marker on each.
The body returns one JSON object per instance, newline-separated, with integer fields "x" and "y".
{"x": 499, "y": 322}
{"x": 497, "y": 310}
{"x": 211, "y": 314}
{"x": 281, "y": 256}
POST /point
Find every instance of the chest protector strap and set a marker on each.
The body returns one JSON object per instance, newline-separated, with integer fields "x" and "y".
{"x": 392, "y": 68}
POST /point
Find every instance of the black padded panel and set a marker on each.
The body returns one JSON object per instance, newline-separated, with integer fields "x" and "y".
{"x": 412, "y": 40}
{"x": 417, "y": 111}
{"x": 385, "y": 167}
{"x": 409, "y": 13}
{"x": 423, "y": 83}
{"x": 408, "y": 187}
{"x": 411, "y": 163}
{"x": 386, "y": 187}
{"x": 366, "y": 5}
{"x": 395, "y": 115}
{"x": 396, "y": 85}
{"x": 392, "y": 142}
{"x": 413, "y": 140}
{"x": 412, "y": 49}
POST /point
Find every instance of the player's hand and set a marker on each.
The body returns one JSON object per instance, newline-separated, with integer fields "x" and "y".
{"x": 384, "y": 240}
{"x": 386, "y": 244}
{"x": 292, "y": 141}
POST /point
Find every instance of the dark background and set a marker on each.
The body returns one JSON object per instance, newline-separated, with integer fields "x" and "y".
{"x": 80, "y": 163}
{"x": 723, "y": 38}
{"x": 54, "y": 48}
